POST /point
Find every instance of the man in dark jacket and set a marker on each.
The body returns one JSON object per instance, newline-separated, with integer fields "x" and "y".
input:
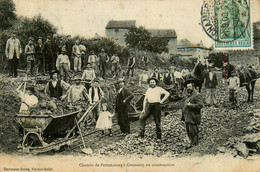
{"x": 191, "y": 112}
{"x": 47, "y": 49}
{"x": 123, "y": 99}
{"x": 40, "y": 60}
{"x": 211, "y": 83}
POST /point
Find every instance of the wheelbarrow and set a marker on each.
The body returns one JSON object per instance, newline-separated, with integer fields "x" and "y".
{"x": 39, "y": 131}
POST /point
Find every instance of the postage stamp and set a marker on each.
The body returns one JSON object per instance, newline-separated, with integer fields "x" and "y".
{"x": 228, "y": 23}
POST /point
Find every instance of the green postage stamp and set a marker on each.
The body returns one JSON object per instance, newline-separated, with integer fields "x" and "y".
{"x": 228, "y": 23}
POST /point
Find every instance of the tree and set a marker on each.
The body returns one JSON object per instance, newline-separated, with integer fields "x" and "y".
{"x": 34, "y": 27}
{"x": 7, "y": 14}
{"x": 138, "y": 38}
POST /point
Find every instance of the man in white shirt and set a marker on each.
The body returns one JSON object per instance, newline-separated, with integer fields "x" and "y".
{"x": 93, "y": 60}
{"x": 152, "y": 106}
{"x": 77, "y": 56}
{"x": 115, "y": 62}
{"x": 88, "y": 76}
{"x": 76, "y": 93}
{"x": 63, "y": 65}
{"x": 28, "y": 99}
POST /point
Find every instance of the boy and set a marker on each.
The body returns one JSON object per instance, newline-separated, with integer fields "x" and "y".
{"x": 233, "y": 87}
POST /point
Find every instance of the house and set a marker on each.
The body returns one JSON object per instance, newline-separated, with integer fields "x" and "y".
{"x": 116, "y": 30}
{"x": 197, "y": 51}
{"x": 169, "y": 34}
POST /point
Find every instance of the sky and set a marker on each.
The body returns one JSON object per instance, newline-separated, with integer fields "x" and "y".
{"x": 87, "y": 17}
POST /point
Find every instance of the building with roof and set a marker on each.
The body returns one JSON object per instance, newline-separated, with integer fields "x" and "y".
{"x": 116, "y": 30}
{"x": 194, "y": 51}
{"x": 169, "y": 34}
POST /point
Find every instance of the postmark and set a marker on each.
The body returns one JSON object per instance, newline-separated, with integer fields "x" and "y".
{"x": 228, "y": 23}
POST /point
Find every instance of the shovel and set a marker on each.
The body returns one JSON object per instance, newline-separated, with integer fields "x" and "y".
{"x": 85, "y": 150}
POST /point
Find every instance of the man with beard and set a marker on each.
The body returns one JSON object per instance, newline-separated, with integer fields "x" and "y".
{"x": 123, "y": 99}
{"x": 152, "y": 106}
{"x": 191, "y": 114}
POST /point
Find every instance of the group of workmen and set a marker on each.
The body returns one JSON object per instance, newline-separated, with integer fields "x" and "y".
{"x": 58, "y": 58}
{"x": 65, "y": 56}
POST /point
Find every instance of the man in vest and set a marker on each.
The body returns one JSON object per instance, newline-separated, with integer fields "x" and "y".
{"x": 156, "y": 74}
{"x": 168, "y": 77}
{"x": 131, "y": 65}
{"x": 13, "y": 50}
{"x": 103, "y": 60}
{"x": 30, "y": 57}
{"x": 40, "y": 60}
{"x": 95, "y": 94}
{"x": 55, "y": 87}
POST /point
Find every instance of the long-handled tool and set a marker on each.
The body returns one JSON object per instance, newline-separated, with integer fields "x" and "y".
{"x": 85, "y": 150}
{"x": 83, "y": 116}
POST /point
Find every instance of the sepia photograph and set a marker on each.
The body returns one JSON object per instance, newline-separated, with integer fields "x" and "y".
{"x": 130, "y": 85}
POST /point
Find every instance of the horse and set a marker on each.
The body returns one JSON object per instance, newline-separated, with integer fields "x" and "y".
{"x": 247, "y": 76}
{"x": 197, "y": 74}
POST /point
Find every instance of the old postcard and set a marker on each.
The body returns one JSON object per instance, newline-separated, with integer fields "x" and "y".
{"x": 129, "y": 85}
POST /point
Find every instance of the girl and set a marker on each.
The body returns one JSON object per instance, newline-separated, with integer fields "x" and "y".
{"x": 105, "y": 120}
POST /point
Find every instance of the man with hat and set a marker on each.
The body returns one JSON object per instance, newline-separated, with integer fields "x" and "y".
{"x": 156, "y": 74}
{"x": 152, "y": 106}
{"x": 76, "y": 93}
{"x": 191, "y": 112}
{"x": 63, "y": 65}
{"x": 30, "y": 57}
{"x": 95, "y": 94}
{"x": 211, "y": 83}
{"x": 13, "y": 50}
{"x": 48, "y": 55}
{"x": 122, "y": 105}
{"x": 40, "y": 60}
{"x": 233, "y": 87}
{"x": 55, "y": 87}
{"x": 103, "y": 60}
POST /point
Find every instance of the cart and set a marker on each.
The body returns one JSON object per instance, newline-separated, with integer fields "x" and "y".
{"x": 41, "y": 132}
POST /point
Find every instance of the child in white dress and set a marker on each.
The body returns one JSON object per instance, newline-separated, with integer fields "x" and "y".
{"x": 104, "y": 121}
